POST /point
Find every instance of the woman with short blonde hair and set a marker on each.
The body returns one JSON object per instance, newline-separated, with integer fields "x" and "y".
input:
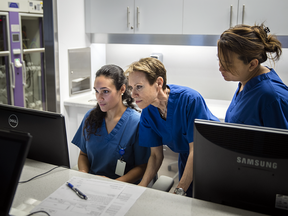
{"x": 167, "y": 118}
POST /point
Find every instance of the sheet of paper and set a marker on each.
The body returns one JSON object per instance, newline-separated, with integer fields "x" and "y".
{"x": 105, "y": 198}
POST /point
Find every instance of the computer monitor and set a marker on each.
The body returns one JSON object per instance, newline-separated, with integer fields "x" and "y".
{"x": 241, "y": 166}
{"x": 48, "y": 130}
{"x": 14, "y": 148}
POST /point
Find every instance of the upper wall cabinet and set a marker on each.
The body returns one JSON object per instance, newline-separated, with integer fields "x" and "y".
{"x": 134, "y": 16}
{"x": 109, "y": 16}
{"x": 272, "y": 13}
{"x": 209, "y": 17}
{"x": 205, "y": 17}
{"x": 158, "y": 16}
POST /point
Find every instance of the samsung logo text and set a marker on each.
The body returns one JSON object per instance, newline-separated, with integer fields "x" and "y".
{"x": 257, "y": 163}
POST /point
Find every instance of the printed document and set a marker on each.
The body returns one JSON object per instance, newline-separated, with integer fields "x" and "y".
{"x": 105, "y": 198}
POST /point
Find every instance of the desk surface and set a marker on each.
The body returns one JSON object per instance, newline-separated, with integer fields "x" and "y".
{"x": 151, "y": 202}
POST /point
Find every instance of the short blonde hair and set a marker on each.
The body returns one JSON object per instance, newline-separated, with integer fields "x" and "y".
{"x": 151, "y": 67}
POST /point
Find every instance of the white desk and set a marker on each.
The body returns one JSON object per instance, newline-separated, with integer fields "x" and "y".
{"x": 151, "y": 202}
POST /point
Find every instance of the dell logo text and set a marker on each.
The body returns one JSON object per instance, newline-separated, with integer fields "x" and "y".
{"x": 13, "y": 121}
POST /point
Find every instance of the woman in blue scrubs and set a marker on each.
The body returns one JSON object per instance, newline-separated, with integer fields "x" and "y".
{"x": 261, "y": 97}
{"x": 108, "y": 134}
{"x": 167, "y": 118}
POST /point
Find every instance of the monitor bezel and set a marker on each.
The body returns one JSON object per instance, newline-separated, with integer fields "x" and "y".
{"x": 25, "y": 140}
{"x": 198, "y": 185}
{"x": 64, "y": 160}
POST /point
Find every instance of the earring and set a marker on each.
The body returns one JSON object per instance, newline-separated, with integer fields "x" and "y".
{"x": 122, "y": 94}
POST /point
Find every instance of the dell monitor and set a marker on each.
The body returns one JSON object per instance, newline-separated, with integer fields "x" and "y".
{"x": 14, "y": 148}
{"x": 241, "y": 166}
{"x": 48, "y": 130}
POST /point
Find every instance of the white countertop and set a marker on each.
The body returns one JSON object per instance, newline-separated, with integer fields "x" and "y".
{"x": 85, "y": 100}
{"x": 217, "y": 107}
{"x": 151, "y": 202}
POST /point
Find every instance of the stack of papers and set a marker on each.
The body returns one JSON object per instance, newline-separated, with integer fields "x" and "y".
{"x": 104, "y": 198}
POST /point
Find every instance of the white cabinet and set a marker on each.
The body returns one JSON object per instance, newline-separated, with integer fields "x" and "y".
{"x": 109, "y": 16}
{"x": 272, "y": 13}
{"x": 205, "y": 17}
{"x": 158, "y": 16}
{"x": 209, "y": 17}
{"x": 134, "y": 16}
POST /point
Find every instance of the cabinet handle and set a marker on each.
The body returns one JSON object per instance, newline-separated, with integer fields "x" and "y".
{"x": 231, "y": 11}
{"x": 12, "y": 75}
{"x": 24, "y": 73}
{"x": 128, "y": 17}
{"x": 138, "y": 17}
{"x": 12, "y": 82}
{"x": 26, "y": 51}
{"x": 243, "y": 12}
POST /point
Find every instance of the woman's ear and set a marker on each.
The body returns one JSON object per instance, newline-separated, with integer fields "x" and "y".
{"x": 253, "y": 64}
{"x": 123, "y": 89}
{"x": 160, "y": 82}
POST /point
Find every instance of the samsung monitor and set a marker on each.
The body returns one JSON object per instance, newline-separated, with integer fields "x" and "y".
{"x": 48, "y": 130}
{"x": 241, "y": 166}
{"x": 14, "y": 148}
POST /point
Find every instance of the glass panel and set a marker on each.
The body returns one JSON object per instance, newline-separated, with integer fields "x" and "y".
{"x": 34, "y": 89}
{"x": 34, "y": 62}
{"x": 4, "y": 81}
{"x": 3, "y": 34}
{"x": 4, "y": 63}
{"x": 31, "y": 32}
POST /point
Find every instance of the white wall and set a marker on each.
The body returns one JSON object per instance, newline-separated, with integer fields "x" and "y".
{"x": 193, "y": 66}
{"x": 71, "y": 34}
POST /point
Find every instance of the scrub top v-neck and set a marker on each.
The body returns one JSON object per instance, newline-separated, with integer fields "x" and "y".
{"x": 184, "y": 106}
{"x": 102, "y": 148}
{"x": 262, "y": 102}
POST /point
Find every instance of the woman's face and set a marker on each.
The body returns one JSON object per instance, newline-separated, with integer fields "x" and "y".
{"x": 107, "y": 95}
{"x": 238, "y": 71}
{"x": 143, "y": 93}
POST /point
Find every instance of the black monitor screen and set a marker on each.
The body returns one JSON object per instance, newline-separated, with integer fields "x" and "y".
{"x": 48, "y": 130}
{"x": 14, "y": 148}
{"x": 241, "y": 166}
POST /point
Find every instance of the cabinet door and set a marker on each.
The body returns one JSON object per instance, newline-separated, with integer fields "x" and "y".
{"x": 109, "y": 16}
{"x": 272, "y": 13}
{"x": 209, "y": 17}
{"x": 158, "y": 16}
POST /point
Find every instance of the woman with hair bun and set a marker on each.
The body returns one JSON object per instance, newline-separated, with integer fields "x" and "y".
{"x": 108, "y": 134}
{"x": 261, "y": 97}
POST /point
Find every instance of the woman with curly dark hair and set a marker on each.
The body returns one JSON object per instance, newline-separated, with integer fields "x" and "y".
{"x": 108, "y": 135}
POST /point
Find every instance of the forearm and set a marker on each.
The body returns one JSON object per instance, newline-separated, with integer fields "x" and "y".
{"x": 187, "y": 176}
{"x": 134, "y": 174}
{"x": 83, "y": 163}
{"x": 153, "y": 166}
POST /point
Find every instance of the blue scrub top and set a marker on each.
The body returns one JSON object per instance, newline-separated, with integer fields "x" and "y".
{"x": 262, "y": 102}
{"x": 184, "y": 106}
{"x": 103, "y": 148}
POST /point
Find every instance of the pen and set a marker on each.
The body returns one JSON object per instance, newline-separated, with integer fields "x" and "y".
{"x": 78, "y": 192}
